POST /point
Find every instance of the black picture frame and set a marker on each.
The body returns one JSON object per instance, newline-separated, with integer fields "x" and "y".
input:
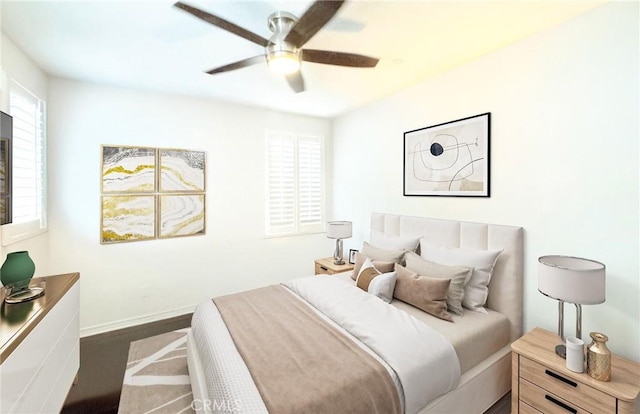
{"x": 352, "y": 256}
{"x": 448, "y": 159}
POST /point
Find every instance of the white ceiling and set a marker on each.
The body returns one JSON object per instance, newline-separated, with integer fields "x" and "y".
{"x": 150, "y": 45}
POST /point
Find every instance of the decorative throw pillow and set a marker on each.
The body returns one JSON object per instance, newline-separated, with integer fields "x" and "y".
{"x": 376, "y": 253}
{"x": 482, "y": 261}
{"x": 366, "y": 274}
{"x": 382, "y": 266}
{"x": 459, "y": 276}
{"x": 426, "y": 293}
{"x": 383, "y": 286}
{"x": 382, "y": 241}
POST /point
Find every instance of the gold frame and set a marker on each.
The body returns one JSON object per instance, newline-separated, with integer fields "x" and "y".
{"x": 197, "y": 218}
{"x": 162, "y": 167}
{"x": 132, "y": 173}
{"x": 128, "y": 236}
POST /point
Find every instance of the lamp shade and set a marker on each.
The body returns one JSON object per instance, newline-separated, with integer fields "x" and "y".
{"x": 572, "y": 279}
{"x": 339, "y": 229}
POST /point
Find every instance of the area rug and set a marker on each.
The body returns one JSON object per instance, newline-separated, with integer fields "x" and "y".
{"x": 156, "y": 379}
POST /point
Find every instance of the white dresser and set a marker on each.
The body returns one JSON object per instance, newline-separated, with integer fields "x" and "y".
{"x": 40, "y": 348}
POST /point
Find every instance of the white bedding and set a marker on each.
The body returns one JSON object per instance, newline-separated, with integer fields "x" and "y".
{"x": 228, "y": 380}
{"x": 475, "y": 336}
{"x": 379, "y": 328}
{"x": 387, "y": 331}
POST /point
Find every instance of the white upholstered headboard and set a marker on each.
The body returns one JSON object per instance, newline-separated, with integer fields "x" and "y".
{"x": 506, "y": 286}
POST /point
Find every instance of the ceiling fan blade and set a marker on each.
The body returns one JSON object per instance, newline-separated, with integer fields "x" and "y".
{"x": 223, "y": 24}
{"x": 312, "y": 20}
{"x": 338, "y": 58}
{"x": 238, "y": 65}
{"x": 296, "y": 81}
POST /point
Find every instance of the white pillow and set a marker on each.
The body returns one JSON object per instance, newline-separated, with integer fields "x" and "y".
{"x": 381, "y": 240}
{"x": 482, "y": 261}
{"x": 383, "y": 286}
{"x": 377, "y": 284}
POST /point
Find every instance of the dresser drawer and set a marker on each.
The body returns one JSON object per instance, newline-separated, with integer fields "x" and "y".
{"x": 525, "y": 408}
{"x": 545, "y": 401}
{"x": 569, "y": 390}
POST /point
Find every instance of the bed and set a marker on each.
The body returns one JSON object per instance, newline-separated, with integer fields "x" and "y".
{"x": 478, "y": 339}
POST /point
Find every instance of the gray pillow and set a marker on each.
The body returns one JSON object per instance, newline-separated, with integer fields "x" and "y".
{"x": 459, "y": 276}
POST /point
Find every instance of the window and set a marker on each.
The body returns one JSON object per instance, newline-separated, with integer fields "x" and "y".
{"x": 29, "y": 180}
{"x": 295, "y": 184}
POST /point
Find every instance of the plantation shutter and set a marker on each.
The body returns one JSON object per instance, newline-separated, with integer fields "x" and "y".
{"x": 310, "y": 181}
{"x": 281, "y": 192}
{"x": 29, "y": 181}
{"x": 295, "y": 193}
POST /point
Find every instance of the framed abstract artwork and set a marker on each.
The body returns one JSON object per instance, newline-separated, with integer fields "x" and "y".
{"x": 128, "y": 169}
{"x": 151, "y": 193}
{"x": 181, "y": 215}
{"x": 127, "y": 218}
{"x": 182, "y": 170}
{"x": 449, "y": 159}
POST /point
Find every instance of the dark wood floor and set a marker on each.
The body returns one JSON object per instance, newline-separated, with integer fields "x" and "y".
{"x": 103, "y": 359}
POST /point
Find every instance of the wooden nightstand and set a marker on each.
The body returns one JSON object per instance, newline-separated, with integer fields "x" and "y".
{"x": 327, "y": 267}
{"x": 541, "y": 382}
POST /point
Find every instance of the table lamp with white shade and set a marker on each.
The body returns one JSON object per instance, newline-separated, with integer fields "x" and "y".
{"x": 574, "y": 280}
{"x": 338, "y": 230}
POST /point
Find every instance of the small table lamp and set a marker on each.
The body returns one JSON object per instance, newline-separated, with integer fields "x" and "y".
{"x": 574, "y": 280}
{"x": 338, "y": 230}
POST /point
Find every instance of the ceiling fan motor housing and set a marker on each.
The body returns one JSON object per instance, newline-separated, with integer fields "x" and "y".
{"x": 278, "y": 49}
{"x": 283, "y": 51}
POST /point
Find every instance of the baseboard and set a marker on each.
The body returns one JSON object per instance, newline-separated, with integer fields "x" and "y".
{"x": 139, "y": 320}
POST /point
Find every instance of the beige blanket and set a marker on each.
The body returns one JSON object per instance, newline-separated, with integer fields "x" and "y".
{"x": 300, "y": 363}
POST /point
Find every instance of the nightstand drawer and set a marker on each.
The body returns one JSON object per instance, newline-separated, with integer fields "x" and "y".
{"x": 545, "y": 401}
{"x": 323, "y": 270}
{"x": 327, "y": 266}
{"x": 568, "y": 389}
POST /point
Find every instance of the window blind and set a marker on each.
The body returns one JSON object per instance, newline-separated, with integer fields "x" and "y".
{"x": 29, "y": 180}
{"x": 295, "y": 185}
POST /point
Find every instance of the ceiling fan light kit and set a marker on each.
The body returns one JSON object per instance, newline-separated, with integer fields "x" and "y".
{"x": 282, "y": 56}
{"x": 284, "y": 62}
{"x": 283, "y": 51}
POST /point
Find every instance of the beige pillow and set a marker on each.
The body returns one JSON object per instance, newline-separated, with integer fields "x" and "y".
{"x": 459, "y": 276}
{"x": 426, "y": 293}
{"x": 382, "y": 266}
{"x": 376, "y": 253}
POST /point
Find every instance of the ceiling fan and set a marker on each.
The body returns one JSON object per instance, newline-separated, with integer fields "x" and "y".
{"x": 283, "y": 51}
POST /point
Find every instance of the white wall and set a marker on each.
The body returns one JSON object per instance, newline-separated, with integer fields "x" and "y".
{"x": 16, "y": 65}
{"x": 564, "y": 157}
{"x": 128, "y": 283}
{"x": 565, "y": 133}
